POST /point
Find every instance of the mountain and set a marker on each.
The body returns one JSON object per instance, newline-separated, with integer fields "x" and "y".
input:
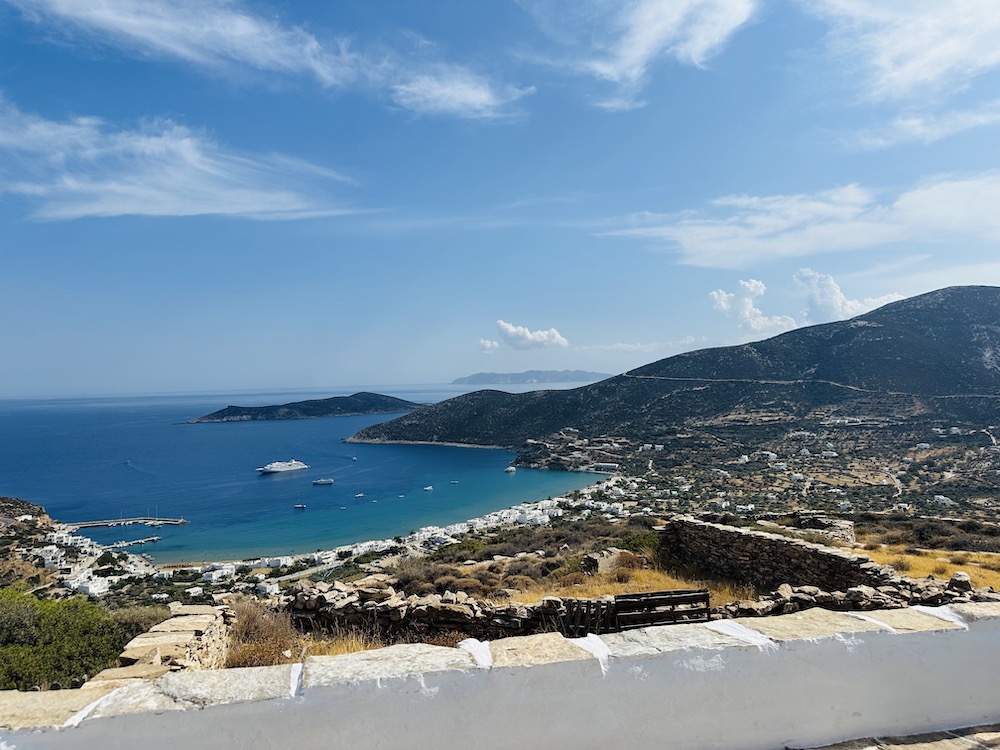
{"x": 531, "y": 376}
{"x": 935, "y": 356}
{"x": 338, "y": 406}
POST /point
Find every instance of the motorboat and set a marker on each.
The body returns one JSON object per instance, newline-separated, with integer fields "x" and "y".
{"x": 324, "y": 480}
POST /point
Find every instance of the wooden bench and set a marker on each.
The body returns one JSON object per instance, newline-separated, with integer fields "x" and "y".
{"x": 630, "y": 611}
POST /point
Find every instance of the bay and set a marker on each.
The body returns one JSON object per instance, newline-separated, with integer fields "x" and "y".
{"x": 119, "y": 457}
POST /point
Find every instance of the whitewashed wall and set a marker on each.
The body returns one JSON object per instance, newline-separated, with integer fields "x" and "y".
{"x": 799, "y": 680}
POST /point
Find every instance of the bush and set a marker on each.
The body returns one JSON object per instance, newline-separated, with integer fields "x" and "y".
{"x": 133, "y": 621}
{"x": 44, "y": 641}
{"x": 260, "y": 636}
{"x": 900, "y": 564}
{"x": 471, "y": 586}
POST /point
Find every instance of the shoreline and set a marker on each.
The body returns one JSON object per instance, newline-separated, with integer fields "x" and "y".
{"x": 428, "y": 442}
{"x": 599, "y": 483}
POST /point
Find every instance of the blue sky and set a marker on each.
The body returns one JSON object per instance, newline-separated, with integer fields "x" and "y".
{"x": 222, "y": 195}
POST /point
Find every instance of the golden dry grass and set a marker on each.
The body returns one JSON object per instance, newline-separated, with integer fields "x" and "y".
{"x": 940, "y": 564}
{"x": 262, "y": 637}
{"x": 604, "y": 584}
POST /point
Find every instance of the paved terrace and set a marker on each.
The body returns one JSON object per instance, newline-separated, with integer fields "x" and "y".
{"x": 809, "y": 679}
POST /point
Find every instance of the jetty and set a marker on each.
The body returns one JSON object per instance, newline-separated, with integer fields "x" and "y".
{"x": 123, "y": 545}
{"x": 145, "y": 521}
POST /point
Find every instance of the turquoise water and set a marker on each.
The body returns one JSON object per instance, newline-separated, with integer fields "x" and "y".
{"x": 90, "y": 459}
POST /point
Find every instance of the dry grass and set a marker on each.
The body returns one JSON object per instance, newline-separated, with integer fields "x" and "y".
{"x": 941, "y": 563}
{"x": 604, "y": 584}
{"x": 262, "y": 637}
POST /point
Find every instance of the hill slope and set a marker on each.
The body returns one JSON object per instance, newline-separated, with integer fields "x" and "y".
{"x": 337, "y": 406}
{"x": 935, "y": 356}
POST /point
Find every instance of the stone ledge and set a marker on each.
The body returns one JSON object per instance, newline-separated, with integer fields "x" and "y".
{"x": 397, "y": 661}
{"x": 221, "y": 686}
{"x": 194, "y": 690}
{"x": 664, "y": 639}
{"x": 534, "y": 650}
{"x": 50, "y": 708}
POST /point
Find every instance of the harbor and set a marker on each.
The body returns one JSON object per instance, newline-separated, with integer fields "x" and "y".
{"x": 142, "y": 520}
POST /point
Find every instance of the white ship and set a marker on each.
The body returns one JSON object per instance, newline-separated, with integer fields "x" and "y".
{"x": 275, "y": 466}
{"x": 510, "y": 469}
{"x": 325, "y": 480}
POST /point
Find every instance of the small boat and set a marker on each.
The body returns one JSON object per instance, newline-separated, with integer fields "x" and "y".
{"x": 300, "y": 506}
{"x": 360, "y": 494}
{"x": 325, "y": 480}
{"x": 354, "y": 458}
{"x": 454, "y": 481}
{"x": 402, "y": 495}
{"x": 510, "y": 469}
{"x": 428, "y": 488}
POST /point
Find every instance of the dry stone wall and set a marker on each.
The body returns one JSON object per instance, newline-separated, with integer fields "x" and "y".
{"x": 766, "y": 560}
{"x": 374, "y": 602}
{"x": 194, "y": 637}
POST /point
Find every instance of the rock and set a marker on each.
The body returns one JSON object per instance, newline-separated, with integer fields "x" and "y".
{"x": 860, "y": 593}
{"x": 784, "y": 591}
{"x": 960, "y": 581}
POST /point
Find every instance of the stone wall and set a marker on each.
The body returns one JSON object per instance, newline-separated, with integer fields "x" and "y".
{"x": 373, "y": 603}
{"x": 766, "y": 560}
{"x": 194, "y": 637}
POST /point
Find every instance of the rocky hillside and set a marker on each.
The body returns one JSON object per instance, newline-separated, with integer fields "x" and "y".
{"x": 338, "y": 406}
{"x": 935, "y": 356}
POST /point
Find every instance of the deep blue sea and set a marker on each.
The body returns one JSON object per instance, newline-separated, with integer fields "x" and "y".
{"x": 106, "y": 458}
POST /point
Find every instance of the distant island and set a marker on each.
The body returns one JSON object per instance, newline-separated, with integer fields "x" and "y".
{"x": 531, "y": 376}
{"x": 337, "y": 406}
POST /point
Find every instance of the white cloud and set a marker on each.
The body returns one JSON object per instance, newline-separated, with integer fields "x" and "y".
{"x": 448, "y": 90}
{"x": 742, "y": 304}
{"x": 623, "y": 40}
{"x": 825, "y": 301}
{"x": 83, "y": 167}
{"x": 222, "y": 37}
{"x": 750, "y": 229}
{"x": 914, "y": 48}
{"x": 211, "y": 33}
{"x": 520, "y": 337}
{"x": 488, "y": 346}
{"x": 927, "y": 128}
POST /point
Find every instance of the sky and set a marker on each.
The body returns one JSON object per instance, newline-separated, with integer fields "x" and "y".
{"x": 217, "y": 195}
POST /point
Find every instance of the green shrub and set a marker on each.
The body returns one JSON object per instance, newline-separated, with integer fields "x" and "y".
{"x": 44, "y": 641}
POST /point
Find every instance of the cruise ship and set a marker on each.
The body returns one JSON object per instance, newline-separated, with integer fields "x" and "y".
{"x": 275, "y": 466}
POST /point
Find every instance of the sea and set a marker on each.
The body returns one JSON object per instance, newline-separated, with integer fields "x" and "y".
{"x": 107, "y": 458}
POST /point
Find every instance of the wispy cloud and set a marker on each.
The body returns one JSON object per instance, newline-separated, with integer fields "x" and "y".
{"x": 826, "y": 301}
{"x": 222, "y": 38}
{"x": 522, "y": 337}
{"x": 738, "y": 231}
{"x": 913, "y": 48}
{"x": 454, "y": 91}
{"x": 83, "y": 167}
{"x": 637, "y": 347}
{"x": 619, "y": 42}
{"x": 742, "y": 304}
{"x": 916, "y": 127}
